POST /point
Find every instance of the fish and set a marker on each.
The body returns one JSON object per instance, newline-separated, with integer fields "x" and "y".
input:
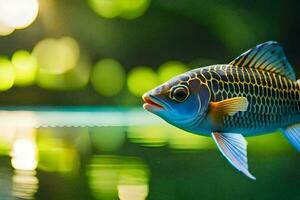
{"x": 257, "y": 93}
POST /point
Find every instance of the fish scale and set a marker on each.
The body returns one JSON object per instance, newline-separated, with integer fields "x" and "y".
{"x": 272, "y": 98}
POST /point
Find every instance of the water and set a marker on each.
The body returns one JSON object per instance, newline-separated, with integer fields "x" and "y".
{"x": 132, "y": 156}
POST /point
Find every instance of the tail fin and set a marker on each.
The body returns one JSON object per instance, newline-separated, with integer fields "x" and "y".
{"x": 292, "y": 134}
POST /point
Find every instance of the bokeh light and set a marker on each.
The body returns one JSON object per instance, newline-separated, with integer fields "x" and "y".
{"x": 133, "y": 192}
{"x": 107, "y": 139}
{"x": 7, "y": 74}
{"x": 25, "y": 68}
{"x": 110, "y": 177}
{"x": 132, "y": 9}
{"x": 57, "y": 56}
{"x": 18, "y": 14}
{"x": 103, "y": 174}
{"x": 5, "y": 29}
{"x": 25, "y": 184}
{"x": 151, "y": 136}
{"x": 141, "y": 79}
{"x": 58, "y": 159}
{"x": 133, "y": 180}
{"x": 24, "y": 154}
{"x": 62, "y": 65}
{"x": 55, "y": 155}
{"x": 74, "y": 79}
{"x": 170, "y": 69}
{"x": 7, "y": 135}
{"x": 106, "y": 8}
{"x": 128, "y": 9}
{"x": 108, "y": 77}
{"x": 182, "y": 140}
{"x": 167, "y": 135}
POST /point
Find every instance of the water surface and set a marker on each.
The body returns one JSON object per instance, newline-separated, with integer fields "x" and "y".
{"x": 129, "y": 154}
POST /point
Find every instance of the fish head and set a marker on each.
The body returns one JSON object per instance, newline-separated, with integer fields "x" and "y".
{"x": 181, "y": 101}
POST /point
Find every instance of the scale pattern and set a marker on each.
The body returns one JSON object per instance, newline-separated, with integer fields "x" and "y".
{"x": 274, "y": 101}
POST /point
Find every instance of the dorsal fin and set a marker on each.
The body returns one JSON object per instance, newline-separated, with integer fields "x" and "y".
{"x": 268, "y": 56}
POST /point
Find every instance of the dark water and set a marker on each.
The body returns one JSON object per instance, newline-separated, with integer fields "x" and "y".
{"x": 139, "y": 162}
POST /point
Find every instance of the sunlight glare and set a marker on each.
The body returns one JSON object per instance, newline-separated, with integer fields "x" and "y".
{"x": 18, "y": 13}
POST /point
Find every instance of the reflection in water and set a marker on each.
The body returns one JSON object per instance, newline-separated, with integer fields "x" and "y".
{"x": 156, "y": 136}
{"x": 24, "y": 154}
{"x": 151, "y": 136}
{"x": 18, "y": 119}
{"x": 25, "y": 184}
{"x": 56, "y": 150}
{"x": 182, "y": 140}
{"x": 107, "y": 139}
{"x": 24, "y": 161}
{"x": 111, "y": 177}
{"x": 51, "y": 161}
{"x": 133, "y": 180}
{"x": 5, "y": 181}
{"x": 6, "y": 139}
{"x": 133, "y": 192}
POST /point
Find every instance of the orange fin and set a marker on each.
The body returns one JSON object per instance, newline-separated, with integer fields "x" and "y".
{"x": 229, "y": 106}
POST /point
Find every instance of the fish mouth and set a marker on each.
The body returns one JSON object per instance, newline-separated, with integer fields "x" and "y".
{"x": 150, "y": 102}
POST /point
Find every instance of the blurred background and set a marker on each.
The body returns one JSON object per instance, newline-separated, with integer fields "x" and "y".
{"x": 99, "y": 52}
{"x": 107, "y": 53}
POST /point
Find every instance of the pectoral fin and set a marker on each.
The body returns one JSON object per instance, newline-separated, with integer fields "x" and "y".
{"x": 234, "y": 148}
{"x": 227, "y": 107}
{"x": 292, "y": 134}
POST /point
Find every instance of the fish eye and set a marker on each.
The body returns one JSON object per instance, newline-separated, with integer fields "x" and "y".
{"x": 179, "y": 93}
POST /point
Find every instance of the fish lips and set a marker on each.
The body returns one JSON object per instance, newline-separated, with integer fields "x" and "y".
{"x": 151, "y": 104}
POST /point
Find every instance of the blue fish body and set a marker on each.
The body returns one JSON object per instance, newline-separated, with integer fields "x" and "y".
{"x": 273, "y": 100}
